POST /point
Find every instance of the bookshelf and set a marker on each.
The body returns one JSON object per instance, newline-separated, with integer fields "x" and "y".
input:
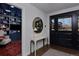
{"x": 11, "y": 18}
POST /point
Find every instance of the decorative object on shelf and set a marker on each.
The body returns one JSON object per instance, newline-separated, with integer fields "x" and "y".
{"x": 37, "y": 25}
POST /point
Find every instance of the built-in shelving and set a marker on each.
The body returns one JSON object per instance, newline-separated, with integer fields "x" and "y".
{"x": 10, "y": 16}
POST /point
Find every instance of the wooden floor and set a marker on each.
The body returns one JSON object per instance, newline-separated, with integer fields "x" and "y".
{"x": 67, "y": 50}
{"x": 44, "y": 49}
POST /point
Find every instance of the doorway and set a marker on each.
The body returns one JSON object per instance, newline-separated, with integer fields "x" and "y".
{"x": 64, "y": 29}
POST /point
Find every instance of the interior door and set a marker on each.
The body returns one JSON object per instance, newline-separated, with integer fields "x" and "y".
{"x": 76, "y": 32}
{"x": 52, "y": 30}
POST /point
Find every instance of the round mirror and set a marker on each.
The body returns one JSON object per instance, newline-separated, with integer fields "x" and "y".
{"x": 37, "y": 25}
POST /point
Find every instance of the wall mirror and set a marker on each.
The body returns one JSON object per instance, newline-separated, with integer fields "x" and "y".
{"x": 37, "y": 25}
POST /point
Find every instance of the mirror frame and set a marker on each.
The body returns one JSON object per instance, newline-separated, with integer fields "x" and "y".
{"x": 37, "y": 25}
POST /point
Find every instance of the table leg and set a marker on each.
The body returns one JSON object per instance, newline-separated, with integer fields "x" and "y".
{"x": 30, "y": 47}
{"x": 43, "y": 42}
{"x": 47, "y": 41}
{"x": 35, "y": 48}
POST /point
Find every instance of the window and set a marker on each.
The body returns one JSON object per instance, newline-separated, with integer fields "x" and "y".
{"x": 64, "y": 24}
{"x": 78, "y": 23}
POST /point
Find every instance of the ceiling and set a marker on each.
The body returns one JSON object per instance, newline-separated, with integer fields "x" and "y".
{"x": 52, "y": 7}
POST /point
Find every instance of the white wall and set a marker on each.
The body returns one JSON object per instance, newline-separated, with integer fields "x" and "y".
{"x": 29, "y": 12}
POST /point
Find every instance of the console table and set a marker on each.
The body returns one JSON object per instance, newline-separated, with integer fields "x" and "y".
{"x": 35, "y": 40}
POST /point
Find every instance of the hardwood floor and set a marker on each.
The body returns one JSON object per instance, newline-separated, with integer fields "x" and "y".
{"x": 66, "y": 50}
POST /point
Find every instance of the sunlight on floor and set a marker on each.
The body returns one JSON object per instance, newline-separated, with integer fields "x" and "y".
{"x": 53, "y": 52}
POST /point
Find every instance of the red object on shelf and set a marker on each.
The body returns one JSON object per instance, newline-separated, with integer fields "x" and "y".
{"x": 11, "y": 49}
